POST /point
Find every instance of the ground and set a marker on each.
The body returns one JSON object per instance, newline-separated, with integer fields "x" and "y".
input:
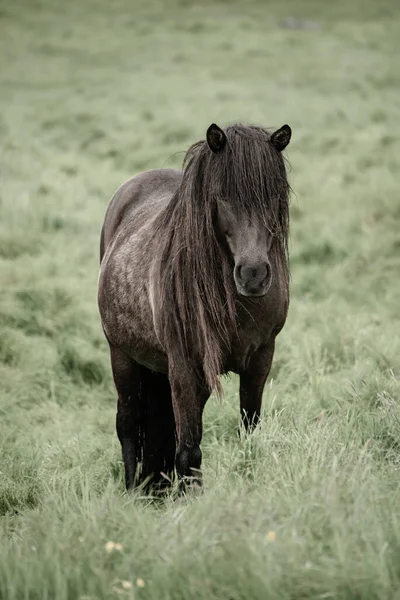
{"x": 308, "y": 506}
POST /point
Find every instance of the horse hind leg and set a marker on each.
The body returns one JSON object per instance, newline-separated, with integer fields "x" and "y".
{"x": 159, "y": 438}
{"x": 128, "y": 420}
{"x": 145, "y": 422}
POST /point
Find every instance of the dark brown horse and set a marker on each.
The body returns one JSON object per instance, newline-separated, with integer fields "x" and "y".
{"x": 194, "y": 283}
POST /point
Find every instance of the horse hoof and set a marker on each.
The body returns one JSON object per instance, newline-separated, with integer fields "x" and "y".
{"x": 192, "y": 486}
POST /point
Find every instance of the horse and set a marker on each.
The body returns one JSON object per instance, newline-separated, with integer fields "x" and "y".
{"x": 194, "y": 284}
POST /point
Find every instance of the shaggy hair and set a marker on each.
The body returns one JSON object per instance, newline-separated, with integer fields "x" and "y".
{"x": 196, "y": 322}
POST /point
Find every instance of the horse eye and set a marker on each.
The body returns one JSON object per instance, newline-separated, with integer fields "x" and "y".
{"x": 228, "y": 234}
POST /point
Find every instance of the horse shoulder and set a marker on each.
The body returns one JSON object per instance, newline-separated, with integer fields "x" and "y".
{"x": 132, "y": 195}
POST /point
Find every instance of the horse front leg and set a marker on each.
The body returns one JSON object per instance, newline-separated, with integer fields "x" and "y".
{"x": 252, "y": 382}
{"x": 189, "y": 398}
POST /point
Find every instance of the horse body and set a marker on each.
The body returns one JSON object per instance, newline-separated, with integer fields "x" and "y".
{"x": 125, "y": 285}
{"x": 164, "y": 368}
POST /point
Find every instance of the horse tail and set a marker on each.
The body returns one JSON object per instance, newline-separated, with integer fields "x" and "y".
{"x": 156, "y": 442}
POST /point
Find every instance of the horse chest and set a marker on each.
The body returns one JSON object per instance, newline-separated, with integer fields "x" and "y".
{"x": 243, "y": 349}
{"x": 257, "y": 325}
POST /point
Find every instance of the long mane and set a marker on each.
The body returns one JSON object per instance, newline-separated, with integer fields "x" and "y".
{"x": 196, "y": 320}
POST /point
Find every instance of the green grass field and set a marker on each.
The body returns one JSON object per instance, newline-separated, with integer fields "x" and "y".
{"x": 307, "y": 507}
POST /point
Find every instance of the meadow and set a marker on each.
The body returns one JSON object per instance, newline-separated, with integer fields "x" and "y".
{"x": 309, "y": 505}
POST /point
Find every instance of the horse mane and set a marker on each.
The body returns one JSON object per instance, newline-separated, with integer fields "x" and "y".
{"x": 196, "y": 320}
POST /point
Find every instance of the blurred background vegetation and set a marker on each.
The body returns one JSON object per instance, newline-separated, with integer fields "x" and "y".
{"x": 92, "y": 92}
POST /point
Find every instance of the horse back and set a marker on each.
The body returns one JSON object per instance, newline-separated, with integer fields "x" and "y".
{"x": 132, "y": 195}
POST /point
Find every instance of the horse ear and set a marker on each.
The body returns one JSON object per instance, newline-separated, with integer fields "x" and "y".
{"x": 216, "y": 138}
{"x": 281, "y": 137}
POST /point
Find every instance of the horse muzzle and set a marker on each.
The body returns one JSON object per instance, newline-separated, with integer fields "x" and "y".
{"x": 252, "y": 280}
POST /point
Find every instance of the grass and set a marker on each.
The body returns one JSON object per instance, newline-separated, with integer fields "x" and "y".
{"x": 307, "y": 507}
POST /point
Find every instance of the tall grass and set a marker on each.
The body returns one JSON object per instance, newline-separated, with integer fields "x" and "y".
{"x": 308, "y": 506}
